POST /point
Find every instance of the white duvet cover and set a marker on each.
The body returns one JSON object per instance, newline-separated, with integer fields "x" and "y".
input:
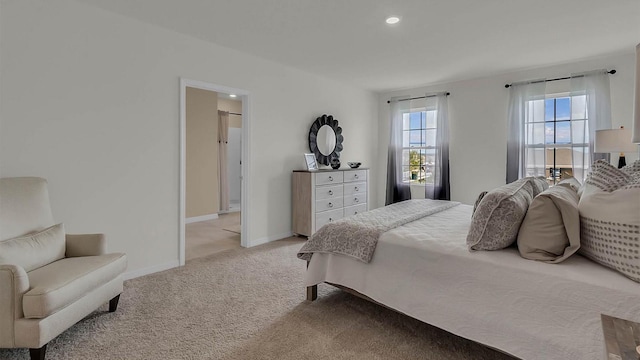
{"x": 529, "y": 309}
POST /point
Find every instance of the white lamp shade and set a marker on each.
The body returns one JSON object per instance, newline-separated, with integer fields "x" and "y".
{"x": 613, "y": 140}
{"x": 636, "y": 116}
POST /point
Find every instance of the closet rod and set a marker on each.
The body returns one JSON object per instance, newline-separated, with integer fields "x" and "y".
{"x": 556, "y": 79}
{"x": 232, "y": 113}
{"x": 419, "y": 97}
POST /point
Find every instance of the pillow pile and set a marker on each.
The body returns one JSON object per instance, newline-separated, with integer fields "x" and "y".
{"x": 610, "y": 218}
{"x": 498, "y": 216}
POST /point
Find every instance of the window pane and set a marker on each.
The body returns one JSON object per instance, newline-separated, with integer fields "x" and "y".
{"x": 405, "y": 121}
{"x": 549, "y": 132}
{"x": 579, "y": 132}
{"x": 405, "y": 157}
{"x": 405, "y": 139}
{"x": 578, "y": 107}
{"x": 548, "y": 110}
{"x": 563, "y": 108}
{"x": 423, "y": 117}
{"x": 415, "y": 138}
{"x": 563, "y": 132}
{"x": 431, "y": 119}
{"x": 406, "y": 175}
{"x": 431, "y": 137}
{"x": 535, "y": 161}
{"x": 535, "y": 133}
{"x": 537, "y": 109}
{"x": 415, "y": 120}
{"x": 563, "y": 158}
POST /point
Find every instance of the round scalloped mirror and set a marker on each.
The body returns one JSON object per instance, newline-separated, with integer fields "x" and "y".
{"x": 325, "y": 139}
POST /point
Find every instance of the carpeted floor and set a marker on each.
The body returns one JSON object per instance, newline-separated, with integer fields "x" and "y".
{"x": 249, "y": 304}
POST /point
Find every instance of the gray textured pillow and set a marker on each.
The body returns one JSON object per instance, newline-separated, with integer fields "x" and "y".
{"x": 550, "y": 231}
{"x": 610, "y": 219}
{"x": 497, "y": 219}
{"x": 34, "y": 250}
{"x": 478, "y": 200}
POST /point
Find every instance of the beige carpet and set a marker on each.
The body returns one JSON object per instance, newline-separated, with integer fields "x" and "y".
{"x": 249, "y": 304}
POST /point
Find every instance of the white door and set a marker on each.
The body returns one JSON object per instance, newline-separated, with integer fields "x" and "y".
{"x": 234, "y": 153}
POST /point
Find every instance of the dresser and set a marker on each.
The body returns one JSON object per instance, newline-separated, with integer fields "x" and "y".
{"x": 322, "y": 196}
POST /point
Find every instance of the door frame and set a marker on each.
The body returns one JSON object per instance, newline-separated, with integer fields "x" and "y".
{"x": 246, "y": 159}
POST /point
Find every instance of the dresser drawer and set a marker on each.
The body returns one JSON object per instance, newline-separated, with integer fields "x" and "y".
{"x": 327, "y": 178}
{"x": 329, "y": 192}
{"x": 327, "y": 217}
{"x": 354, "y": 210}
{"x": 355, "y": 188}
{"x": 355, "y": 175}
{"x": 355, "y": 199}
{"x": 329, "y": 204}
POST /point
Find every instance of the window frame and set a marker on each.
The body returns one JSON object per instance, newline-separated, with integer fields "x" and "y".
{"x": 554, "y": 173}
{"x": 425, "y": 148}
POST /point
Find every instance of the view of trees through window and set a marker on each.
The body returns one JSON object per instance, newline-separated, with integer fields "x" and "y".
{"x": 418, "y": 142}
{"x": 555, "y": 128}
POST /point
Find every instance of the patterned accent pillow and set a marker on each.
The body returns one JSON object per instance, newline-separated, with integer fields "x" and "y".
{"x": 497, "y": 219}
{"x": 480, "y": 197}
{"x": 610, "y": 219}
{"x": 550, "y": 231}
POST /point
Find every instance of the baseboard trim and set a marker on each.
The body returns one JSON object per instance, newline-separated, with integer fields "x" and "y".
{"x": 150, "y": 270}
{"x": 200, "y": 218}
{"x": 267, "y": 239}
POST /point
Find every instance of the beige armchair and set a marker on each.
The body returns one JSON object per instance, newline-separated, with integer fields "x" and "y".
{"x": 49, "y": 280}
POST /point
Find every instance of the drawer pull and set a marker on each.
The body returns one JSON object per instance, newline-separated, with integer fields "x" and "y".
{"x": 356, "y": 188}
{"x": 330, "y": 178}
{"x": 330, "y": 192}
{"x": 330, "y": 219}
{"x": 356, "y": 200}
{"x": 355, "y": 176}
{"x": 330, "y": 205}
{"x": 355, "y": 213}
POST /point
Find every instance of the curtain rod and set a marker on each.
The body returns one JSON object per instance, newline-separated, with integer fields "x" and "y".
{"x": 420, "y": 97}
{"x": 556, "y": 79}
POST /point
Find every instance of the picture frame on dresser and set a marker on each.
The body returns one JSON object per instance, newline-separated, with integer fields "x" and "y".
{"x": 310, "y": 161}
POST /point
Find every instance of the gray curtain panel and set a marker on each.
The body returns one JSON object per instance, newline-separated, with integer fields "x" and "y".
{"x": 597, "y": 108}
{"x": 440, "y": 190}
{"x": 520, "y": 111}
{"x": 396, "y": 190}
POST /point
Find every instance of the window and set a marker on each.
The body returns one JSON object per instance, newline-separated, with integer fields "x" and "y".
{"x": 418, "y": 146}
{"x": 556, "y": 128}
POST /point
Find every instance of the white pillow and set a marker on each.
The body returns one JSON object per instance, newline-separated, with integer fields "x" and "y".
{"x": 34, "y": 250}
{"x": 610, "y": 219}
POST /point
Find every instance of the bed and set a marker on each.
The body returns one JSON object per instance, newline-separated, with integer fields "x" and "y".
{"x": 529, "y": 309}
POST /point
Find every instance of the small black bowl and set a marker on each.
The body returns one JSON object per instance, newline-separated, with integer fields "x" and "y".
{"x": 354, "y": 165}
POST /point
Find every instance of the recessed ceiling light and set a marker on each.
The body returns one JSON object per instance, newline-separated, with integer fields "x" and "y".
{"x": 232, "y": 95}
{"x": 393, "y": 20}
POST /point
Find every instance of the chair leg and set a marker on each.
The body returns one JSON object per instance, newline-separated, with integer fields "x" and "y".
{"x": 113, "y": 303}
{"x": 38, "y": 354}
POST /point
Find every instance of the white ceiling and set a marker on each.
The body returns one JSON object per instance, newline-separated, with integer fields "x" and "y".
{"x": 436, "y": 41}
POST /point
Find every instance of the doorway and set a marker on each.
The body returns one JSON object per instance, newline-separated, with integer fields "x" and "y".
{"x": 214, "y": 149}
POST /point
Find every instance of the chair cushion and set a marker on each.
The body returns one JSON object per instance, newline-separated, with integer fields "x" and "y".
{"x": 34, "y": 250}
{"x": 60, "y": 283}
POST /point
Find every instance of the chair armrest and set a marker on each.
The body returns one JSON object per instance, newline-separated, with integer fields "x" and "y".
{"x": 13, "y": 284}
{"x": 85, "y": 245}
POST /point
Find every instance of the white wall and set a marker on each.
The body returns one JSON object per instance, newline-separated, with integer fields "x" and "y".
{"x": 89, "y": 100}
{"x": 478, "y": 120}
